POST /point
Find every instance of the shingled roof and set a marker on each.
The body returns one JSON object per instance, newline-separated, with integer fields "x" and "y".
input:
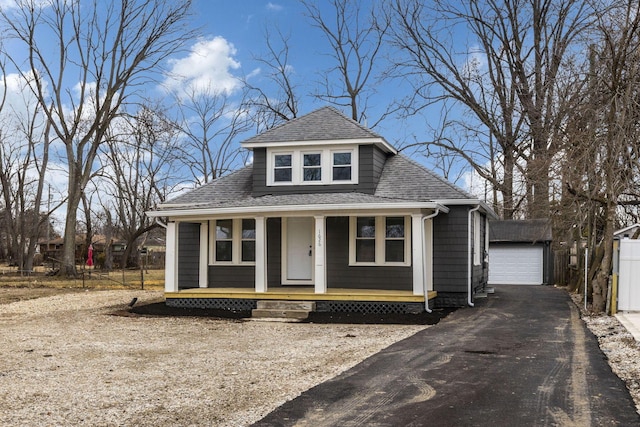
{"x": 323, "y": 124}
{"x": 520, "y": 231}
{"x": 402, "y": 180}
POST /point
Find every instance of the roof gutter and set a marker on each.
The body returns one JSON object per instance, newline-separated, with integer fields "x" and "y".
{"x": 480, "y": 204}
{"x": 424, "y": 270}
{"x": 194, "y": 211}
{"x": 470, "y": 256}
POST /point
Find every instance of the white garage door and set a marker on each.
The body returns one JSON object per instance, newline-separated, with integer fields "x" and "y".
{"x": 515, "y": 265}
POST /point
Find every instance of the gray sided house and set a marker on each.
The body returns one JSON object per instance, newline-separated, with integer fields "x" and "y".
{"x": 328, "y": 212}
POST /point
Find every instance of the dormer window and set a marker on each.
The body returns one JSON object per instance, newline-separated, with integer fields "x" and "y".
{"x": 309, "y": 166}
{"x": 312, "y": 167}
{"x": 341, "y": 165}
{"x": 282, "y": 168}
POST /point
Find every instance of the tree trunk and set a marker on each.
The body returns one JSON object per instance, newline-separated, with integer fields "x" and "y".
{"x": 601, "y": 281}
{"x": 69, "y": 244}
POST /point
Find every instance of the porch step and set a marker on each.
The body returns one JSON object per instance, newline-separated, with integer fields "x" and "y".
{"x": 286, "y": 305}
{"x": 275, "y": 309}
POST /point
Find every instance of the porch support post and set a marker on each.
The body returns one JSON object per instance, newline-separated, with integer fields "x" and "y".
{"x": 417, "y": 261}
{"x": 261, "y": 254}
{"x": 320, "y": 278}
{"x": 203, "y": 276}
{"x": 171, "y": 259}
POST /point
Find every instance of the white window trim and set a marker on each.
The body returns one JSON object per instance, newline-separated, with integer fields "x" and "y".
{"x": 380, "y": 241}
{"x": 354, "y": 169}
{"x": 326, "y": 162}
{"x": 236, "y": 244}
{"x": 272, "y": 168}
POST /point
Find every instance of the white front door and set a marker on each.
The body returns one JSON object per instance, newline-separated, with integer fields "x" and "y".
{"x": 298, "y": 251}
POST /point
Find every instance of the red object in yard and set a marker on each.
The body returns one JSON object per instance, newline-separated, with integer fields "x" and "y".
{"x": 90, "y": 256}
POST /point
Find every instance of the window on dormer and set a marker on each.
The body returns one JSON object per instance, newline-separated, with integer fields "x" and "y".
{"x": 341, "y": 166}
{"x": 312, "y": 167}
{"x": 283, "y": 168}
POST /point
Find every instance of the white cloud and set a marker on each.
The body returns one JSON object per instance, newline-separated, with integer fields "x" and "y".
{"x": 274, "y": 7}
{"x": 207, "y": 68}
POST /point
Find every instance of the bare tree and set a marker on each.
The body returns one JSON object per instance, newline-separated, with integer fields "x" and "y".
{"x": 504, "y": 81}
{"x": 276, "y": 100}
{"x": 210, "y": 123}
{"x": 608, "y": 139}
{"x": 355, "y": 33}
{"x": 139, "y": 159}
{"x": 105, "y": 53}
{"x": 24, "y": 158}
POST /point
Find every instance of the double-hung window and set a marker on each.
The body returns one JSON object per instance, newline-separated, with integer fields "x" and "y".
{"x": 311, "y": 167}
{"x": 224, "y": 240}
{"x": 234, "y": 241}
{"x": 283, "y": 168}
{"x": 366, "y": 239}
{"x": 379, "y": 240}
{"x": 394, "y": 239}
{"x": 341, "y": 166}
{"x": 248, "y": 240}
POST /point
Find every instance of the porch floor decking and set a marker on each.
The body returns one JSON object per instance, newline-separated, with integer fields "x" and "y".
{"x": 302, "y": 294}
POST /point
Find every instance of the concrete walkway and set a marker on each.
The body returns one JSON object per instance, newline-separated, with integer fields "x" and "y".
{"x": 631, "y": 322}
{"x": 521, "y": 357}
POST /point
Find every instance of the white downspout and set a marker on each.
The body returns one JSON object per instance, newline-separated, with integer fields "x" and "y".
{"x": 160, "y": 223}
{"x": 424, "y": 252}
{"x": 470, "y": 256}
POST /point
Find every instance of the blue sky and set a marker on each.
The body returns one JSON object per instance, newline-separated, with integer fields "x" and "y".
{"x": 238, "y": 28}
{"x": 232, "y": 33}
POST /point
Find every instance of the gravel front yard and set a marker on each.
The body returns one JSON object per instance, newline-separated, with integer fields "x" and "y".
{"x": 65, "y": 360}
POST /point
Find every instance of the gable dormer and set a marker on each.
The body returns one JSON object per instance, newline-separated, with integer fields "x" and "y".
{"x": 321, "y": 152}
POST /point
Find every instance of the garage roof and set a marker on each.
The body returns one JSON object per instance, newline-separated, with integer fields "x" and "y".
{"x": 520, "y": 231}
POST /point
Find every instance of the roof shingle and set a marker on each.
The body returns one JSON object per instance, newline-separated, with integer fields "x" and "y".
{"x": 402, "y": 180}
{"x": 323, "y": 124}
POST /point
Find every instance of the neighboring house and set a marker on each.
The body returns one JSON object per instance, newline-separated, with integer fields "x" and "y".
{"x": 329, "y": 211}
{"x": 520, "y": 252}
{"x": 52, "y": 250}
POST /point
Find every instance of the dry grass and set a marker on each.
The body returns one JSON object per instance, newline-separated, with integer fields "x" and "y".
{"x": 87, "y": 279}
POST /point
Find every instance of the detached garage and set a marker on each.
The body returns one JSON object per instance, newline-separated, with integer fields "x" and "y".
{"x": 520, "y": 252}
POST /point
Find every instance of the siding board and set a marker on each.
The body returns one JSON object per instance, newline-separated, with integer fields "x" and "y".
{"x": 188, "y": 255}
{"x": 232, "y": 276}
{"x": 450, "y": 250}
{"x": 274, "y": 251}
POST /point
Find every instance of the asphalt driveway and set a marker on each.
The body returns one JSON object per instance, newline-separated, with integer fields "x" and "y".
{"x": 521, "y": 357}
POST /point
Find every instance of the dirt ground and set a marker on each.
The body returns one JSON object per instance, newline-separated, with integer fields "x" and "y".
{"x": 84, "y": 357}
{"x": 13, "y": 294}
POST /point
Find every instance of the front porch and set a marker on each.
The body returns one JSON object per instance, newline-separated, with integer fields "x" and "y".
{"x": 344, "y": 300}
{"x": 301, "y": 293}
